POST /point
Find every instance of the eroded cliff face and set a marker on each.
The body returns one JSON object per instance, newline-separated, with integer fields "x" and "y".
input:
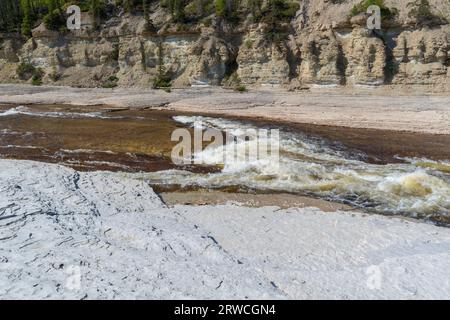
{"x": 322, "y": 47}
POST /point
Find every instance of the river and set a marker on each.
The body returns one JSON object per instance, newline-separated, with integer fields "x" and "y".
{"x": 380, "y": 172}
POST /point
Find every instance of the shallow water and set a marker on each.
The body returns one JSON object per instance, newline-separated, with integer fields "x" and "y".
{"x": 351, "y": 171}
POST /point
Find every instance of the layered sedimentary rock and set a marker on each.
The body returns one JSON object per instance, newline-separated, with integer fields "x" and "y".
{"x": 322, "y": 46}
{"x": 366, "y": 58}
{"x": 213, "y": 59}
{"x": 322, "y": 59}
{"x": 262, "y": 61}
{"x": 422, "y": 56}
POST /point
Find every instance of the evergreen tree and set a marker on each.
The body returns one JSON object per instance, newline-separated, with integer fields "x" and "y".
{"x": 225, "y": 8}
{"x": 127, "y": 5}
{"x": 52, "y": 5}
{"x": 26, "y": 21}
{"x": 146, "y": 14}
{"x": 10, "y": 16}
{"x": 176, "y": 8}
{"x": 95, "y": 10}
{"x": 221, "y": 8}
{"x": 54, "y": 19}
{"x": 254, "y": 7}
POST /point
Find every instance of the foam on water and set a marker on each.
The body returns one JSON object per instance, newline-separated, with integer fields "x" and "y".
{"x": 87, "y": 151}
{"x": 417, "y": 187}
{"x": 22, "y": 110}
{"x": 305, "y": 164}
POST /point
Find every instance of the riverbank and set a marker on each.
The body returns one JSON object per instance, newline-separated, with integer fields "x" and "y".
{"x": 102, "y": 235}
{"x": 411, "y": 110}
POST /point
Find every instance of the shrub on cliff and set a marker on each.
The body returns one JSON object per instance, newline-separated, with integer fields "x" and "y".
{"x": 36, "y": 80}
{"x": 227, "y": 9}
{"x": 97, "y": 10}
{"x": 162, "y": 82}
{"x": 279, "y": 11}
{"x": 111, "y": 82}
{"x": 198, "y": 9}
{"x": 221, "y": 8}
{"x": 176, "y": 8}
{"x": 25, "y": 70}
{"x": 421, "y": 12}
{"x": 54, "y": 20}
{"x": 241, "y": 88}
{"x": 276, "y": 15}
{"x": 386, "y": 13}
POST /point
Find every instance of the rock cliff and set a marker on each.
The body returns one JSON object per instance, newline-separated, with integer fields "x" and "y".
{"x": 322, "y": 45}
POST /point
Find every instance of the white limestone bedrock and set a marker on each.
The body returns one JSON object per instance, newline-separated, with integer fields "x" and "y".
{"x": 412, "y": 110}
{"x": 128, "y": 244}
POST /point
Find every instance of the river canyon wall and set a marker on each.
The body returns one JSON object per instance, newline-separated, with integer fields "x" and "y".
{"x": 324, "y": 46}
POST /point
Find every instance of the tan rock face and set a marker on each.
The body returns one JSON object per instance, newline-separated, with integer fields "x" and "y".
{"x": 9, "y": 58}
{"x": 323, "y": 46}
{"x": 77, "y": 62}
{"x": 366, "y": 59}
{"x": 131, "y": 62}
{"x": 422, "y": 56}
{"x": 8, "y": 50}
{"x": 261, "y": 61}
{"x": 213, "y": 56}
{"x": 321, "y": 55}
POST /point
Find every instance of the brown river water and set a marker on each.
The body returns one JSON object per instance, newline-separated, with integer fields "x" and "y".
{"x": 380, "y": 171}
{"x": 85, "y": 138}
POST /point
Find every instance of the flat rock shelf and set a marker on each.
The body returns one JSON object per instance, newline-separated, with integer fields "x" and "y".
{"x": 88, "y": 235}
